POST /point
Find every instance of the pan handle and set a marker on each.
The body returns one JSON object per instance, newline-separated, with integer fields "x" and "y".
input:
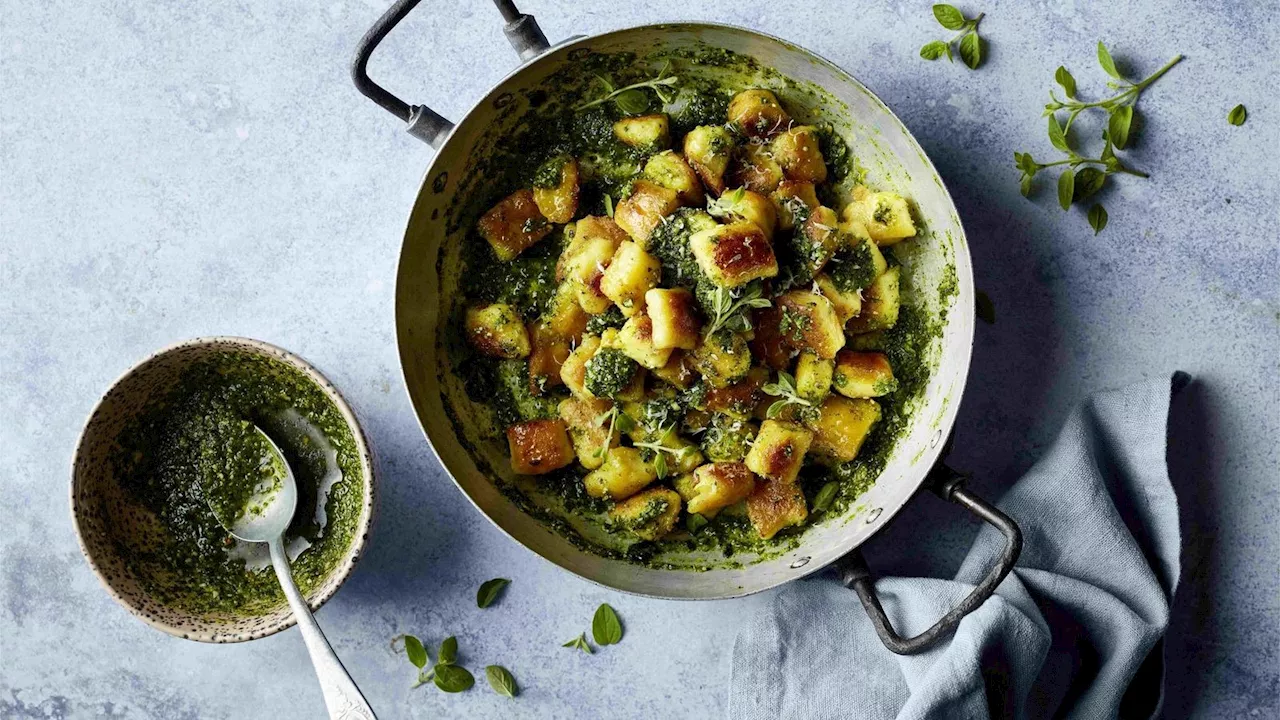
{"x": 522, "y": 32}
{"x": 854, "y": 573}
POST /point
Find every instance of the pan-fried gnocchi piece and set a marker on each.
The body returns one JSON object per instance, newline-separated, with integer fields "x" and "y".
{"x": 880, "y": 304}
{"x": 647, "y": 132}
{"x": 640, "y": 213}
{"x": 885, "y": 215}
{"x": 708, "y": 149}
{"x": 757, "y": 113}
{"x": 631, "y": 273}
{"x": 716, "y": 269}
{"x": 797, "y": 150}
{"x": 648, "y": 515}
{"x": 733, "y": 255}
{"x": 514, "y": 225}
{"x": 557, "y": 198}
{"x": 623, "y": 473}
{"x": 841, "y": 426}
{"x": 863, "y": 374}
{"x": 671, "y": 171}
{"x": 496, "y": 330}
{"x": 675, "y": 319}
{"x": 539, "y": 446}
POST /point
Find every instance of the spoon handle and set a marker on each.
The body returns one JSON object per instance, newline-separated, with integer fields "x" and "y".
{"x": 341, "y": 695}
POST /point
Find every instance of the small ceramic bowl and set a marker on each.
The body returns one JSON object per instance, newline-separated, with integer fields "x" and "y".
{"x": 95, "y": 493}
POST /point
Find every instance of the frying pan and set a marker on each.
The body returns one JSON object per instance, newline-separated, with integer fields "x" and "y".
{"x": 427, "y": 291}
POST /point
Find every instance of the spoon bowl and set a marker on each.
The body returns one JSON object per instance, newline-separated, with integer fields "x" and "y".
{"x": 262, "y": 515}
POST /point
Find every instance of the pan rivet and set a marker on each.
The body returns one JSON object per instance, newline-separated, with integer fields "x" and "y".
{"x": 502, "y": 100}
{"x": 800, "y": 563}
{"x": 874, "y": 515}
{"x": 937, "y": 436}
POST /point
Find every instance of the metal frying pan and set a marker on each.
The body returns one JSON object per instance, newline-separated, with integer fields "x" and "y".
{"x": 429, "y": 270}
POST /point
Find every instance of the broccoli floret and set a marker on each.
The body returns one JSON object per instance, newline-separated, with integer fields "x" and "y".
{"x": 609, "y": 372}
{"x": 611, "y": 318}
{"x": 548, "y": 173}
{"x": 669, "y": 242}
{"x": 852, "y": 268}
{"x": 727, "y": 439}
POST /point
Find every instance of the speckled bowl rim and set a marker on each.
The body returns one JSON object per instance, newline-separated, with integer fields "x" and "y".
{"x": 364, "y": 525}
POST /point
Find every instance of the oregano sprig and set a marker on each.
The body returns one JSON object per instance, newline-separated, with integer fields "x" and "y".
{"x": 729, "y": 310}
{"x": 1084, "y": 176}
{"x": 785, "y": 390}
{"x": 630, "y": 99}
{"x": 970, "y": 44}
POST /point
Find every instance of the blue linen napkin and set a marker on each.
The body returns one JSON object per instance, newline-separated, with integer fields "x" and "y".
{"x": 1065, "y": 635}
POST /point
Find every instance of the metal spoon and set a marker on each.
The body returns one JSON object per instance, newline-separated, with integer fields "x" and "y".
{"x": 272, "y": 512}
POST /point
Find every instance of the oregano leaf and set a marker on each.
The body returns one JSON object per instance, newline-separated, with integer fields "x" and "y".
{"x": 448, "y": 651}
{"x": 490, "y": 590}
{"x": 1025, "y": 187}
{"x": 606, "y": 628}
{"x": 1066, "y": 80}
{"x": 416, "y": 652}
{"x": 1056, "y": 134}
{"x": 501, "y": 680}
{"x": 1107, "y": 62}
{"x": 453, "y": 678}
{"x": 1238, "y": 115}
{"x": 1097, "y": 218}
{"x": 579, "y": 643}
{"x": 1088, "y": 181}
{"x": 1118, "y": 125}
{"x": 933, "y": 50}
{"x": 949, "y": 16}
{"x": 1066, "y": 188}
{"x": 971, "y": 50}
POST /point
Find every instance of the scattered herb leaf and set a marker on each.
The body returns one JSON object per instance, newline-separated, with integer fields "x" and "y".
{"x": 970, "y": 44}
{"x": 606, "y": 628}
{"x": 501, "y": 680}
{"x": 1097, "y": 218}
{"x": 490, "y": 590}
{"x": 453, "y": 678}
{"x": 416, "y": 652}
{"x": 579, "y": 643}
{"x": 1238, "y": 115}
{"x": 730, "y": 310}
{"x": 1082, "y": 176}
{"x": 625, "y": 97}
{"x": 448, "y": 651}
{"x": 785, "y": 389}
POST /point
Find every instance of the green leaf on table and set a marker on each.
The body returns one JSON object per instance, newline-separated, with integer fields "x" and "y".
{"x": 448, "y": 651}
{"x": 490, "y": 590}
{"x": 606, "y": 628}
{"x": 1025, "y": 187}
{"x": 1118, "y": 125}
{"x": 1066, "y": 188}
{"x": 453, "y": 678}
{"x": 1066, "y": 80}
{"x": 984, "y": 308}
{"x": 1238, "y": 115}
{"x": 416, "y": 652}
{"x": 1056, "y": 134}
{"x": 826, "y": 496}
{"x": 1097, "y": 218}
{"x": 1107, "y": 62}
{"x": 949, "y": 16}
{"x": 579, "y": 643}
{"x": 971, "y": 50}
{"x": 1089, "y": 180}
{"x": 501, "y": 680}
{"x": 934, "y": 50}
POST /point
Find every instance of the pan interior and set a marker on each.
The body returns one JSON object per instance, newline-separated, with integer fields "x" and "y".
{"x": 466, "y": 177}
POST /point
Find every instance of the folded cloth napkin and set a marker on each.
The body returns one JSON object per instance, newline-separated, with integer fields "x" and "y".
{"x": 1072, "y": 632}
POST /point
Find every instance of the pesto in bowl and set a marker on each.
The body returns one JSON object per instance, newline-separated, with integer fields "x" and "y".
{"x": 175, "y": 435}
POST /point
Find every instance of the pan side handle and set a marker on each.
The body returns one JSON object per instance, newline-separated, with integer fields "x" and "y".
{"x": 854, "y": 573}
{"x": 522, "y": 32}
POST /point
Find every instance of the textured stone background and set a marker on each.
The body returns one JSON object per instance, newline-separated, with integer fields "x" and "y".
{"x": 173, "y": 169}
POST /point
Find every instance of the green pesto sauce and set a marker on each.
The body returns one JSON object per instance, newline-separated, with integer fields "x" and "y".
{"x": 531, "y": 155}
{"x": 195, "y": 446}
